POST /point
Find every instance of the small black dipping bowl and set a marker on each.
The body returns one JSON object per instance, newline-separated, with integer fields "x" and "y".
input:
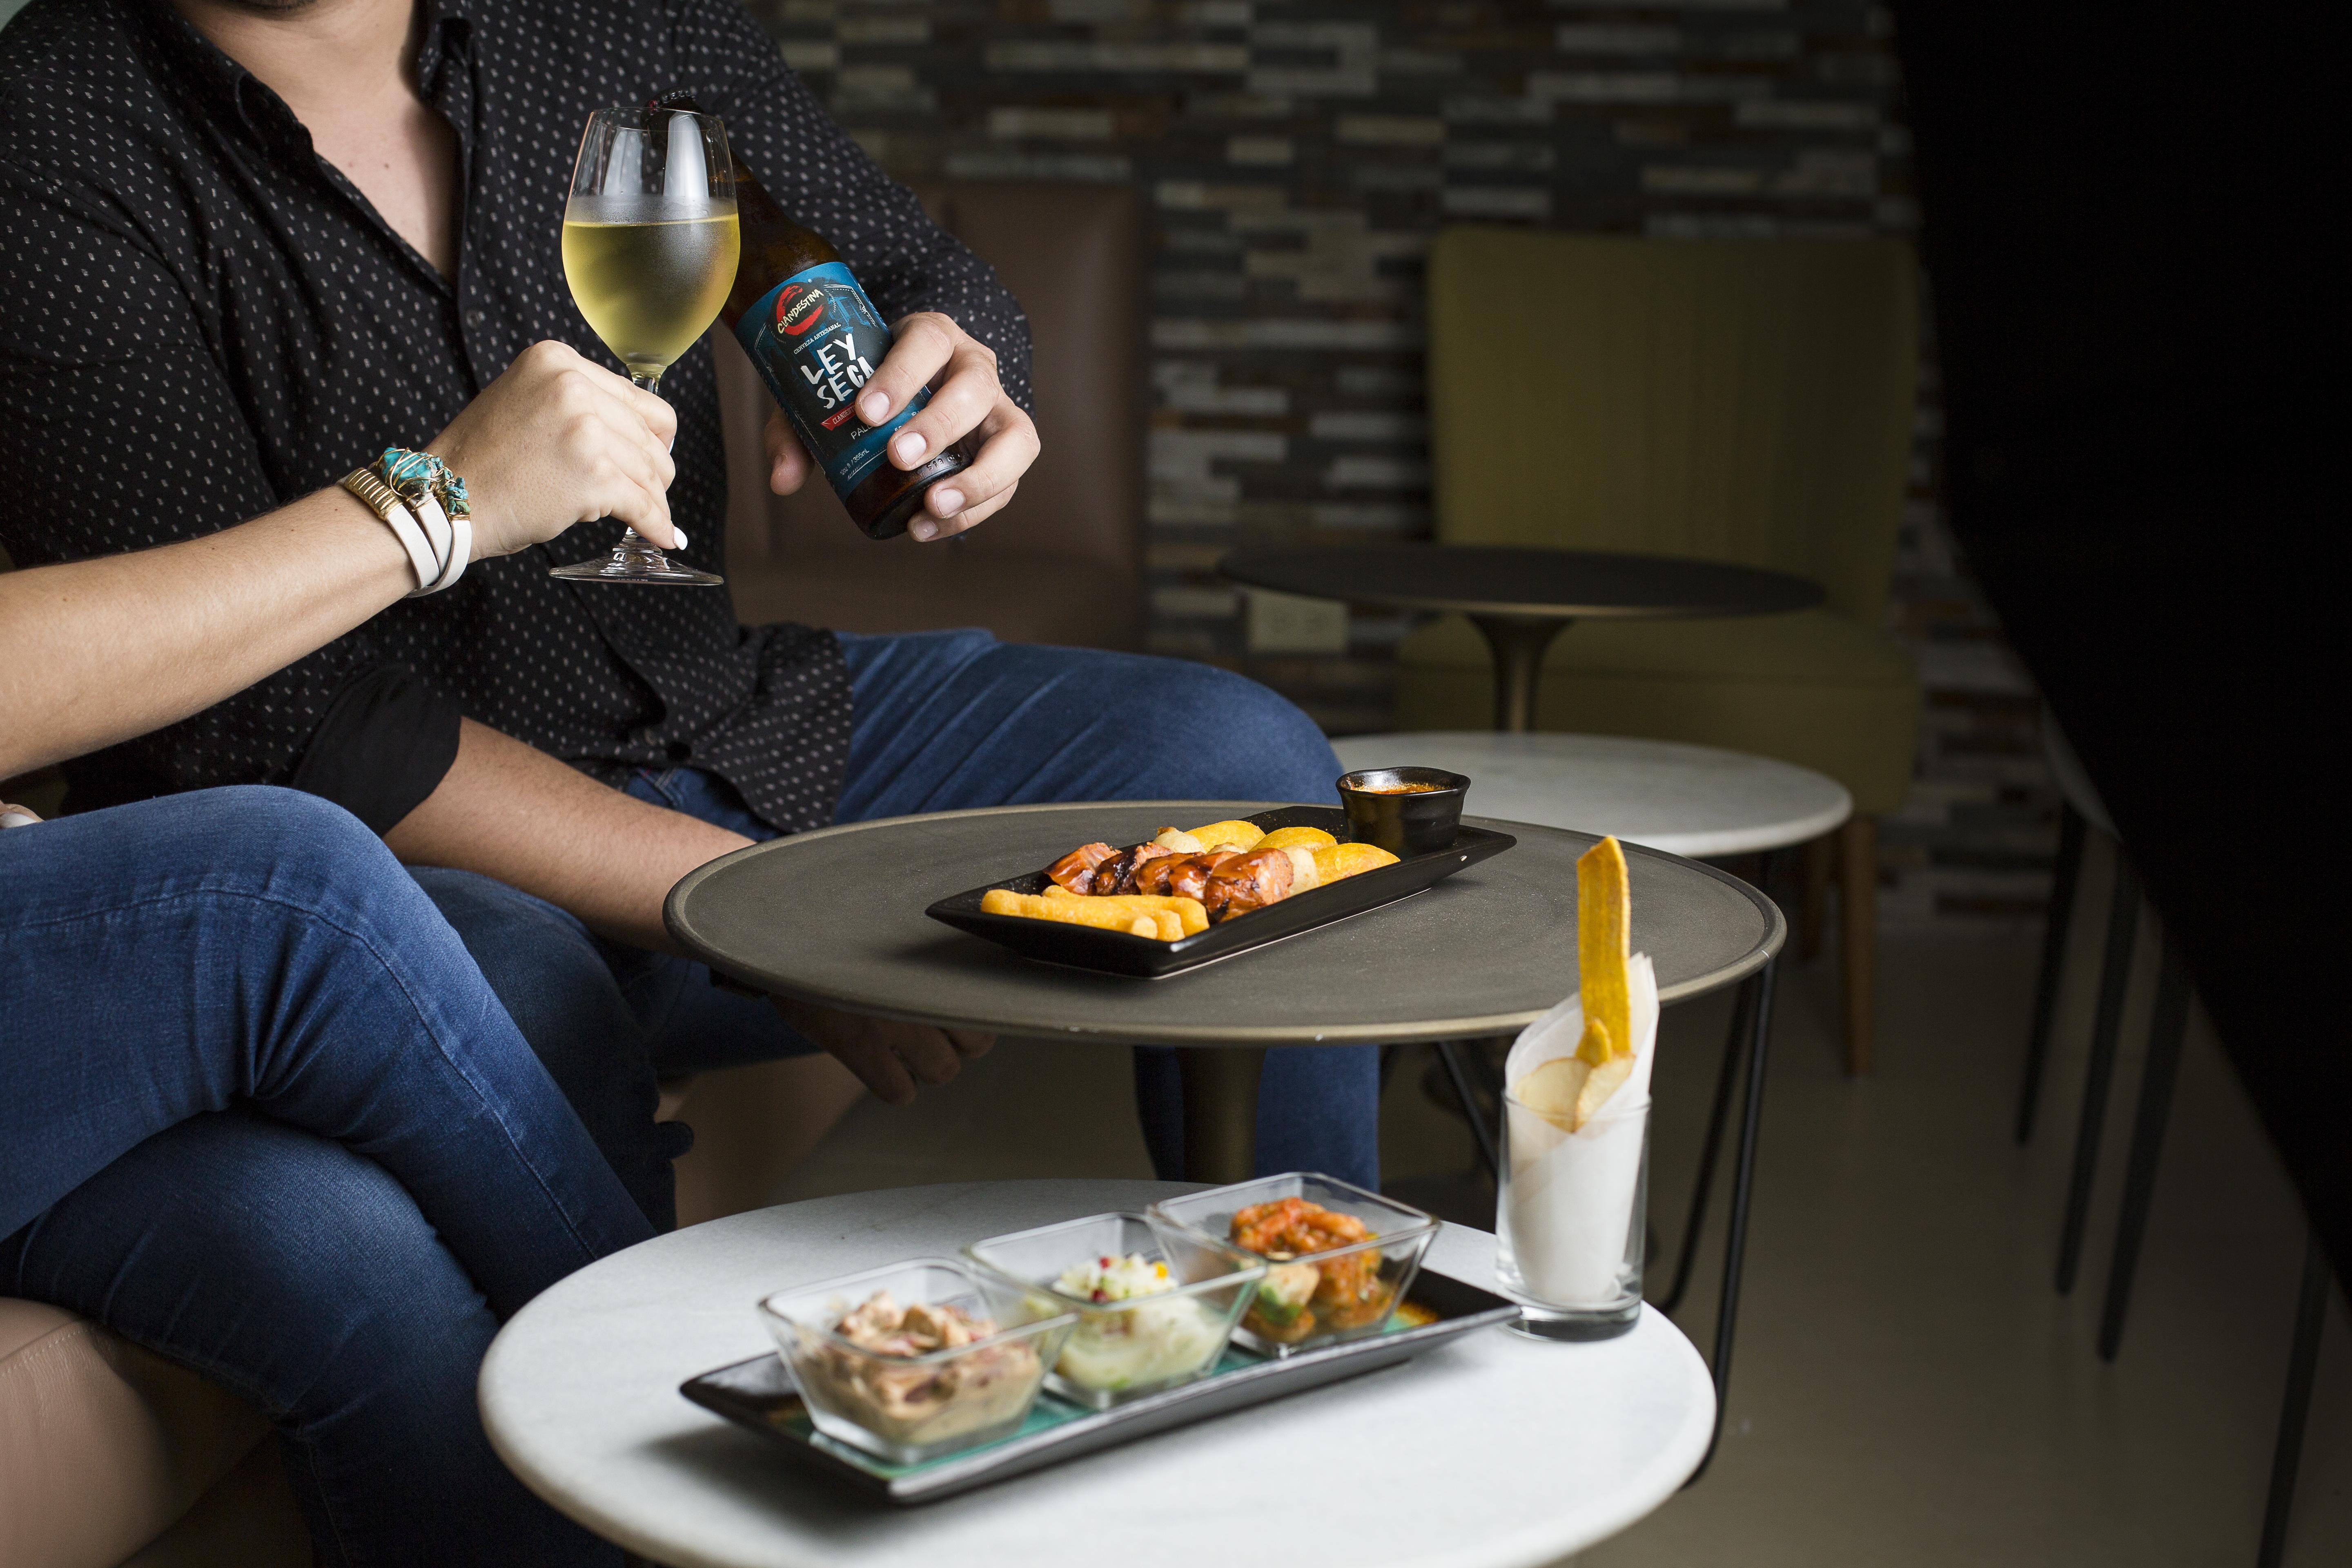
{"x": 1415, "y": 822}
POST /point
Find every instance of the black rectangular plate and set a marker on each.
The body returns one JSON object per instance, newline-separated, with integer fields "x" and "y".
{"x": 758, "y": 1393}
{"x": 1122, "y": 952}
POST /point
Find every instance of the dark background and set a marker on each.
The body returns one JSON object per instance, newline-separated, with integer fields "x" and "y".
{"x": 2137, "y": 309}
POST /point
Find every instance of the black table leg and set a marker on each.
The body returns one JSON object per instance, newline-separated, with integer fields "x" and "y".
{"x": 1449, "y": 1053}
{"x": 2303, "y": 1364}
{"x": 2072, "y": 830}
{"x": 1517, "y": 643}
{"x": 1743, "y": 1181}
{"x": 1727, "y": 1077}
{"x": 1220, "y": 1110}
{"x": 2163, "y": 1069}
{"x": 2115, "y": 979}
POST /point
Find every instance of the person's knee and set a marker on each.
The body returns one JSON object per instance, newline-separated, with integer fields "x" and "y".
{"x": 1224, "y": 735}
{"x": 279, "y": 839}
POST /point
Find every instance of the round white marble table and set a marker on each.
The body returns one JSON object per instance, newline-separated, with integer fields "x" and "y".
{"x": 1495, "y": 1451}
{"x": 1696, "y": 801}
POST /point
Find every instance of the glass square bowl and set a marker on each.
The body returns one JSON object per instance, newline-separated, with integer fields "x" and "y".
{"x": 1344, "y": 1291}
{"x": 917, "y": 1360}
{"x": 1171, "y": 1333}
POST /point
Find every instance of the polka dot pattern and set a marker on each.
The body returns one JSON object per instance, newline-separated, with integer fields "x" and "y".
{"x": 203, "y": 320}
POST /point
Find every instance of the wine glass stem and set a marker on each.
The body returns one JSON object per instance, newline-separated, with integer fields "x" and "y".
{"x": 630, "y": 537}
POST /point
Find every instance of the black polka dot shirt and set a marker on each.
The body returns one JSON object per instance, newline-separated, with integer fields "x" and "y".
{"x": 201, "y": 319}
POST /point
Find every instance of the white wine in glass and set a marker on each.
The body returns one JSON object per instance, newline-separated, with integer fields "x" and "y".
{"x": 650, "y": 244}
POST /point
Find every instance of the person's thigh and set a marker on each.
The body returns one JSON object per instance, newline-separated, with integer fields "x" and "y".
{"x": 303, "y": 1277}
{"x": 947, "y": 719}
{"x": 558, "y": 983}
{"x": 161, "y": 960}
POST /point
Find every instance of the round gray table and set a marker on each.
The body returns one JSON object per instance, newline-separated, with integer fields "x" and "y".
{"x": 1683, "y": 799}
{"x": 1496, "y": 1451}
{"x": 1521, "y": 597}
{"x": 836, "y": 917}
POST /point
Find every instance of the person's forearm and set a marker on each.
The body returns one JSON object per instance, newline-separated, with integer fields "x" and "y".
{"x": 95, "y": 652}
{"x": 519, "y": 816}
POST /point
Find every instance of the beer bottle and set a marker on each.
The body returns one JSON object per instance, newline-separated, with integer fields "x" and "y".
{"x": 816, "y": 338}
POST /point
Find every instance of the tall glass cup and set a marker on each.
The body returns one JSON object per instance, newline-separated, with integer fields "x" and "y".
{"x": 1569, "y": 1219}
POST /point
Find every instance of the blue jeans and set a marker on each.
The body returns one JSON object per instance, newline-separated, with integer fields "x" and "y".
{"x": 942, "y": 721}
{"x": 259, "y": 1114}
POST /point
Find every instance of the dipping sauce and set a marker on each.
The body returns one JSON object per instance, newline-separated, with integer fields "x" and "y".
{"x": 1398, "y": 788}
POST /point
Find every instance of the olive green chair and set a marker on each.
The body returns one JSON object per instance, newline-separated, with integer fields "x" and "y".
{"x": 1746, "y": 401}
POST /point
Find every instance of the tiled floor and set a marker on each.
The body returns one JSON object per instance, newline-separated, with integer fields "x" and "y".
{"x": 1909, "y": 1390}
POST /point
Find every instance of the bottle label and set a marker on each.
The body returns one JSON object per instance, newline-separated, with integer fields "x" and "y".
{"x": 816, "y": 339}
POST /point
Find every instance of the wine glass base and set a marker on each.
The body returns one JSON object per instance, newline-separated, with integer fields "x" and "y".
{"x": 647, "y": 566}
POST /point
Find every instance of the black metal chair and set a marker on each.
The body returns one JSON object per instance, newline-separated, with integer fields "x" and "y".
{"x": 2168, "y": 1030}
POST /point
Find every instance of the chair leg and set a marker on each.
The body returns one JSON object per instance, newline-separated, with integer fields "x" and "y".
{"x": 1449, "y": 1053}
{"x": 2302, "y": 1366}
{"x": 2114, "y": 980}
{"x": 1743, "y": 1185}
{"x": 1858, "y": 899}
{"x": 2165, "y": 1036}
{"x": 1726, "y": 1079}
{"x": 1819, "y": 857}
{"x": 2066, "y": 876}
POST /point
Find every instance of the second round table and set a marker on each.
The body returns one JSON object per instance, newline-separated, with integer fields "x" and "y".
{"x": 836, "y": 917}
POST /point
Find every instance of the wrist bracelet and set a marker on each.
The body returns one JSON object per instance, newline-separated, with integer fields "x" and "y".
{"x": 427, "y": 507}
{"x": 380, "y": 499}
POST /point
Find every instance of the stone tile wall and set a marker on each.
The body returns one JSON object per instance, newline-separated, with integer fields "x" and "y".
{"x": 1298, "y": 155}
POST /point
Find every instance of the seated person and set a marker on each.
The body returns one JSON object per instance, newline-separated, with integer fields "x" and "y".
{"x": 259, "y": 1112}
{"x": 329, "y": 221}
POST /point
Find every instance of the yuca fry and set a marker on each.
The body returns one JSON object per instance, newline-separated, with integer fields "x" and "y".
{"x": 1334, "y": 861}
{"x": 1295, "y": 839}
{"x": 1191, "y": 912}
{"x": 1604, "y": 921}
{"x": 1234, "y": 831}
{"x": 1161, "y": 925}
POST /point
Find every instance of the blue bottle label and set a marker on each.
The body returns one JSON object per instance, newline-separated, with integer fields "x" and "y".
{"x": 817, "y": 340}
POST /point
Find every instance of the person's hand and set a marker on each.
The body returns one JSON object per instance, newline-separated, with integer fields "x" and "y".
{"x": 890, "y": 1059}
{"x": 932, "y": 350}
{"x": 15, "y": 815}
{"x": 557, "y": 441}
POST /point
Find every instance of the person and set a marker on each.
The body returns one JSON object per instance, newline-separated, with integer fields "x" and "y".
{"x": 304, "y": 1150}
{"x": 331, "y": 219}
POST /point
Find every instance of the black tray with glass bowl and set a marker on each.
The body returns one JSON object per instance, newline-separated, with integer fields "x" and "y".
{"x": 757, "y": 1394}
{"x": 1122, "y": 952}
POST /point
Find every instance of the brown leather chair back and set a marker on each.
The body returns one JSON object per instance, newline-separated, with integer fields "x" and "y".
{"x": 1064, "y": 563}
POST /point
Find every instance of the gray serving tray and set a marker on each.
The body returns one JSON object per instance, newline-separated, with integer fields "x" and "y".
{"x": 758, "y": 1393}
{"x": 1119, "y": 953}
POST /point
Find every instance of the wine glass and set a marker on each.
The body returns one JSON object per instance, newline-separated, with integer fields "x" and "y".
{"x": 650, "y": 243}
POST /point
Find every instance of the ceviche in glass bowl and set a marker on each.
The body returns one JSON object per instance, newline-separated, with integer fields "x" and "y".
{"x": 1154, "y": 1308}
{"x": 917, "y": 1360}
{"x": 1339, "y": 1259}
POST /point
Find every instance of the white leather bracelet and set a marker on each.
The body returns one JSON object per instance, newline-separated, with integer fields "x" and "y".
{"x": 384, "y": 501}
{"x": 411, "y": 534}
{"x": 430, "y": 518}
{"x": 438, "y": 546}
{"x": 461, "y": 551}
{"x": 453, "y": 542}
